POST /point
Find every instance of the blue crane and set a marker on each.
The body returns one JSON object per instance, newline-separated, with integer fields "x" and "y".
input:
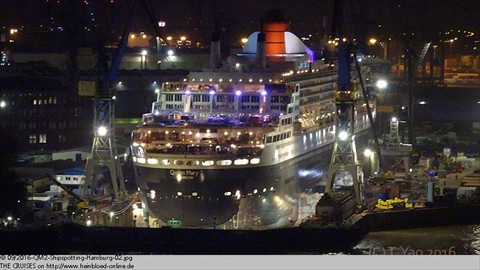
{"x": 344, "y": 169}
{"x": 104, "y": 151}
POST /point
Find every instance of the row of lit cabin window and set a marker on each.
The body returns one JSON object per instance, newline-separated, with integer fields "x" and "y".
{"x": 279, "y": 137}
{"x": 228, "y": 98}
{"x": 205, "y": 163}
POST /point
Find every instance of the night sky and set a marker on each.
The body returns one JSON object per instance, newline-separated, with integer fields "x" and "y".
{"x": 194, "y": 17}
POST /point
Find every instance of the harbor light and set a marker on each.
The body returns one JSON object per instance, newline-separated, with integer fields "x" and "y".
{"x": 212, "y": 92}
{"x": 394, "y": 119}
{"x": 238, "y": 92}
{"x": 112, "y": 214}
{"x": 343, "y": 135}
{"x": 367, "y": 152}
{"x": 3, "y": 104}
{"x": 89, "y": 222}
{"x": 238, "y": 195}
{"x": 382, "y": 84}
{"x": 157, "y": 90}
{"x": 102, "y": 131}
{"x": 9, "y": 218}
{"x": 264, "y": 93}
{"x": 170, "y": 52}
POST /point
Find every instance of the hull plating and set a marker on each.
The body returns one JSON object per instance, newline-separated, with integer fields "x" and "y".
{"x": 235, "y": 198}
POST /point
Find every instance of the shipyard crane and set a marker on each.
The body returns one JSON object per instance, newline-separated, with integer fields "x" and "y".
{"x": 104, "y": 151}
{"x": 344, "y": 169}
{"x": 413, "y": 62}
{"x": 81, "y": 202}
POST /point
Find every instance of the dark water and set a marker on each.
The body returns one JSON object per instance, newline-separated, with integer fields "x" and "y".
{"x": 447, "y": 104}
{"x": 443, "y": 240}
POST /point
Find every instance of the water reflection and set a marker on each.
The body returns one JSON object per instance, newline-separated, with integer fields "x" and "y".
{"x": 443, "y": 240}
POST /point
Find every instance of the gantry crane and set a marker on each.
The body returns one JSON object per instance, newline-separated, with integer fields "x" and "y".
{"x": 104, "y": 150}
{"x": 344, "y": 169}
{"x": 413, "y": 62}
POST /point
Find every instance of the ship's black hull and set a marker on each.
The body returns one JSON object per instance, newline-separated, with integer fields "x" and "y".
{"x": 206, "y": 197}
{"x": 269, "y": 195}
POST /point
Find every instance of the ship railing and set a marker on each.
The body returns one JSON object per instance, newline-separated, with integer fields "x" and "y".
{"x": 220, "y": 150}
{"x": 150, "y": 119}
{"x": 319, "y": 125}
{"x": 311, "y": 75}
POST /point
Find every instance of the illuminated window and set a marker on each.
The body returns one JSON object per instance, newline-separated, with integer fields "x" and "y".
{"x": 33, "y": 138}
{"x": 42, "y": 138}
{"x": 255, "y": 161}
{"x": 207, "y": 162}
{"x": 241, "y": 162}
{"x": 224, "y": 162}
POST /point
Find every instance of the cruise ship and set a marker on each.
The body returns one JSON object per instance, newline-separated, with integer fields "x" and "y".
{"x": 236, "y": 145}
